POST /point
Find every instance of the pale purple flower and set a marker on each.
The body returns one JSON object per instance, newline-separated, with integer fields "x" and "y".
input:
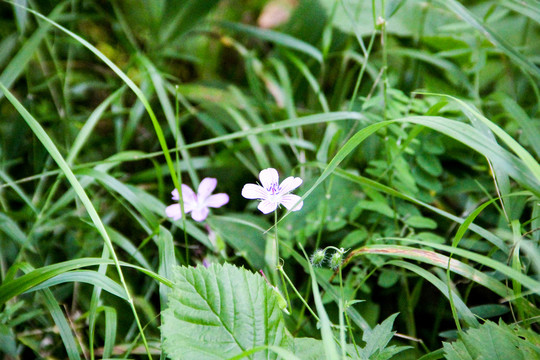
{"x": 197, "y": 204}
{"x": 272, "y": 193}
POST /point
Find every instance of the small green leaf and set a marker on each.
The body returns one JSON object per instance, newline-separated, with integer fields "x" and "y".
{"x": 421, "y": 222}
{"x": 489, "y": 310}
{"x": 429, "y": 163}
{"x": 219, "y": 312}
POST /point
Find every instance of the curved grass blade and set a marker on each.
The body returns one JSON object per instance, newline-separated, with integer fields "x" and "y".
{"x": 127, "y": 81}
{"x": 493, "y": 37}
{"x": 511, "y": 273}
{"x": 59, "y": 319}
{"x": 55, "y": 154}
{"x": 277, "y": 38}
{"x": 117, "y": 186}
{"x": 15, "y": 287}
{"x": 89, "y": 125}
{"x": 18, "y": 64}
{"x": 455, "y": 129}
{"x": 435, "y": 259}
{"x": 110, "y": 330}
{"x": 258, "y": 149}
{"x": 63, "y": 326}
{"x": 388, "y": 190}
{"x": 463, "y": 310}
{"x": 159, "y": 85}
{"x": 531, "y": 131}
{"x": 12, "y": 230}
{"x": 84, "y": 276}
{"x": 523, "y": 8}
{"x": 523, "y": 154}
{"x": 9, "y": 182}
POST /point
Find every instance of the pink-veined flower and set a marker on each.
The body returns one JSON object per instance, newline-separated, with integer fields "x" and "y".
{"x": 197, "y": 204}
{"x": 272, "y": 193}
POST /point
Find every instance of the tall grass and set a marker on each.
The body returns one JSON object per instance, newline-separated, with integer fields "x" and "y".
{"x": 414, "y": 126}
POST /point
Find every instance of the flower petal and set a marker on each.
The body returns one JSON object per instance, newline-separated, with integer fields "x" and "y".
{"x": 188, "y": 195}
{"x": 268, "y": 177}
{"x": 205, "y": 188}
{"x": 290, "y": 200}
{"x": 200, "y": 214}
{"x": 217, "y": 200}
{"x": 267, "y": 207}
{"x": 289, "y": 184}
{"x": 175, "y": 195}
{"x": 173, "y": 211}
{"x": 252, "y": 191}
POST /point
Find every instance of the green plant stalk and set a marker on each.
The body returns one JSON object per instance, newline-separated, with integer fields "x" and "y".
{"x": 298, "y": 294}
{"x": 180, "y": 192}
{"x": 342, "y": 339}
{"x": 276, "y": 238}
{"x": 384, "y": 41}
{"x": 362, "y": 70}
{"x": 516, "y": 265}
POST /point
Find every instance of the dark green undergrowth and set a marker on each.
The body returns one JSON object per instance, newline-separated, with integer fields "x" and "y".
{"x": 405, "y": 133}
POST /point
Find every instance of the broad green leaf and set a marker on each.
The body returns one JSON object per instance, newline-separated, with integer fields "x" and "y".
{"x": 307, "y": 348}
{"x": 377, "y": 338}
{"x": 219, "y": 312}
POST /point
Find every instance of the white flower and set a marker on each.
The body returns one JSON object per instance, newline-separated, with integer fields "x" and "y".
{"x": 199, "y": 203}
{"x": 272, "y": 193}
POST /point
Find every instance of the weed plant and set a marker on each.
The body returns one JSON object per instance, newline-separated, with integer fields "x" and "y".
{"x": 294, "y": 179}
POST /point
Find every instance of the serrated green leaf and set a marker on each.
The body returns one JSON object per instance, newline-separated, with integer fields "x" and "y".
{"x": 377, "y": 339}
{"x": 219, "y": 312}
{"x": 307, "y": 348}
{"x": 490, "y": 341}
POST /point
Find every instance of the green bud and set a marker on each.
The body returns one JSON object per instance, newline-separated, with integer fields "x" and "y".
{"x": 336, "y": 259}
{"x": 318, "y": 257}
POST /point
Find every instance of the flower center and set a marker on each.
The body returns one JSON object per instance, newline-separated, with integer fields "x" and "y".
{"x": 273, "y": 189}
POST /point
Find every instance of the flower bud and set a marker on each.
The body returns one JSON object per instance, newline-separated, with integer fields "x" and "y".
{"x": 318, "y": 257}
{"x": 336, "y": 259}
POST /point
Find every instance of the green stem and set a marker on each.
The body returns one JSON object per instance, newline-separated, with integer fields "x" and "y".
{"x": 298, "y": 294}
{"x": 276, "y": 239}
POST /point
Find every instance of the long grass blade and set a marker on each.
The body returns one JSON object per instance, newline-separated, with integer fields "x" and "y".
{"x": 492, "y": 36}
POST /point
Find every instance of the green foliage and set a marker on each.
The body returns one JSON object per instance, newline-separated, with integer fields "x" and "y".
{"x": 413, "y": 125}
{"x": 494, "y": 341}
{"x": 221, "y": 311}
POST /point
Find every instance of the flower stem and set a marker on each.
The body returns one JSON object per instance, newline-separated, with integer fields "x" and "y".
{"x": 276, "y": 239}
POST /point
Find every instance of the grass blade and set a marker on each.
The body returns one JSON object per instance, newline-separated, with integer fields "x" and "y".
{"x": 493, "y": 37}
{"x": 277, "y": 38}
